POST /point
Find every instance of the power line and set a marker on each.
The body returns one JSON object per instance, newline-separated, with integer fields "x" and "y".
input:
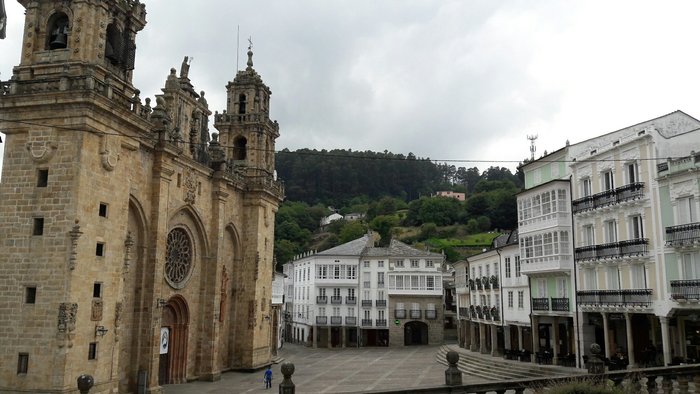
{"x": 334, "y": 155}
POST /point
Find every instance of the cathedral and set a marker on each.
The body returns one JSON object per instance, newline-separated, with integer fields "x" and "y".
{"x": 136, "y": 246}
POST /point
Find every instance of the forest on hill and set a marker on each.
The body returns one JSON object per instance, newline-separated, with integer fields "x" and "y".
{"x": 394, "y": 192}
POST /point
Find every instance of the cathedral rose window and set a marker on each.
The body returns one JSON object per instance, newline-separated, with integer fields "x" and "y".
{"x": 178, "y": 258}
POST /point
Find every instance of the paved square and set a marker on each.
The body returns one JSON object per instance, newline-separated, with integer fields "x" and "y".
{"x": 350, "y": 370}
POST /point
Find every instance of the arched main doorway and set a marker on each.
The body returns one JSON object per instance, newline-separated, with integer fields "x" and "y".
{"x": 415, "y": 333}
{"x": 173, "y": 342}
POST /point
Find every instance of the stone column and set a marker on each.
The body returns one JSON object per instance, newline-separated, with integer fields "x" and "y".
{"x": 606, "y": 335}
{"x": 665, "y": 339}
{"x": 630, "y": 342}
{"x": 494, "y": 340}
{"x": 472, "y": 337}
{"x": 482, "y": 338}
{"x": 555, "y": 339}
{"x": 535, "y": 336}
{"x": 520, "y": 338}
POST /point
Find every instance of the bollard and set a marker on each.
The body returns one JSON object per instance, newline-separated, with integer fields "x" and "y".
{"x": 287, "y": 386}
{"x": 85, "y": 383}
{"x": 595, "y": 364}
{"x": 453, "y": 376}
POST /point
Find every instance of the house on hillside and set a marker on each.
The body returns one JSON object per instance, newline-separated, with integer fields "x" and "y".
{"x": 325, "y": 221}
{"x": 451, "y": 194}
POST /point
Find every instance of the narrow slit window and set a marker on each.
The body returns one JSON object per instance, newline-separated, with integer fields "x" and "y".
{"x": 22, "y": 363}
{"x": 30, "y": 295}
{"x": 92, "y": 351}
{"x": 42, "y": 177}
{"x": 103, "y": 210}
{"x": 100, "y": 249}
{"x": 38, "y": 228}
{"x": 97, "y": 290}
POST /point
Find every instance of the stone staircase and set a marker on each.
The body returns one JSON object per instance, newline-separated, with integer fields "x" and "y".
{"x": 484, "y": 368}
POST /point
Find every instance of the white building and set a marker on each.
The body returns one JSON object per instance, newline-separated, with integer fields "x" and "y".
{"x": 326, "y": 287}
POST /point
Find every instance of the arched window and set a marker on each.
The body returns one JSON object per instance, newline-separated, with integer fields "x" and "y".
{"x": 57, "y": 31}
{"x": 113, "y": 45}
{"x": 239, "y": 148}
{"x": 241, "y": 103}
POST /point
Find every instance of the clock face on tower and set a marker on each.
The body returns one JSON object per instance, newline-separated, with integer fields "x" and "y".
{"x": 164, "y": 340}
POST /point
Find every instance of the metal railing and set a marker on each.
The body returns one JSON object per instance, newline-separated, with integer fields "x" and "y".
{"x": 560, "y": 304}
{"x": 321, "y": 299}
{"x": 414, "y": 313}
{"x": 430, "y": 314}
{"x": 350, "y": 300}
{"x": 463, "y": 312}
{"x": 625, "y": 297}
{"x": 540, "y": 304}
{"x": 336, "y": 300}
{"x": 322, "y": 320}
{"x": 350, "y": 320}
{"x": 624, "y": 193}
{"x": 399, "y": 313}
{"x": 629, "y": 248}
{"x": 685, "y": 289}
{"x": 380, "y": 302}
{"x": 683, "y": 234}
{"x": 380, "y": 323}
{"x": 495, "y": 316}
{"x": 336, "y": 320}
{"x": 366, "y": 302}
{"x": 367, "y": 322}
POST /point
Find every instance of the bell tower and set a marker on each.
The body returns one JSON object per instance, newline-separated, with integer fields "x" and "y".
{"x": 81, "y": 37}
{"x": 245, "y": 126}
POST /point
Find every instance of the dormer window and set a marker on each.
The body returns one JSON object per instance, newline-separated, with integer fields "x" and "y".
{"x": 57, "y": 32}
{"x": 239, "y": 148}
{"x": 241, "y": 104}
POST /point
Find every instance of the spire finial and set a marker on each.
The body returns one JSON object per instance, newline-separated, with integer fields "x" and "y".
{"x": 250, "y": 52}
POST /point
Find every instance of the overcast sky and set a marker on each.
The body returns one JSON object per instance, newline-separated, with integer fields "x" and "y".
{"x": 459, "y": 80}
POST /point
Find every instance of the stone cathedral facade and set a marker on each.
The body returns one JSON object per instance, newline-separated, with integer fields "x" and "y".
{"x": 134, "y": 247}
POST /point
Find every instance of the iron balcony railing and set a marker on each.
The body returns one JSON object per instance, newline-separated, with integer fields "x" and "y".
{"x": 336, "y": 320}
{"x": 624, "y": 193}
{"x": 629, "y": 248}
{"x": 430, "y": 314}
{"x": 684, "y": 234}
{"x": 380, "y": 285}
{"x": 485, "y": 282}
{"x": 414, "y": 313}
{"x": 560, "y": 304}
{"x": 494, "y": 314}
{"x": 366, "y": 302}
{"x": 350, "y": 320}
{"x": 322, "y": 320}
{"x": 350, "y": 300}
{"x": 367, "y": 322}
{"x": 540, "y": 304}
{"x": 321, "y": 299}
{"x": 380, "y": 302}
{"x": 479, "y": 312}
{"x": 472, "y": 286}
{"x": 626, "y": 297}
{"x": 494, "y": 282}
{"x": 336, "y": 300}
{"x": 478, "y": 284}
{"x": 685, "y": 289}
{"x": 380, "y": 323}
{"x": 487, "y": 312}
{"x": 399, "y": 313}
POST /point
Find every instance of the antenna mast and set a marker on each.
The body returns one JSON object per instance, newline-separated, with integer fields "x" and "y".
{"x": 533, "y": 148}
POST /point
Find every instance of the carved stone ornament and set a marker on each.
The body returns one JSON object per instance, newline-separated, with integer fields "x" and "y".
{"x": 96, "y": 313}
{"x": 66, "y": 316}
{"x": 128, "y": 244}
{"x": 109, "y": 160}
{"x": 74, "y": 234}
{"x": 41, "y": 146}
{"x": 190, "y": 187}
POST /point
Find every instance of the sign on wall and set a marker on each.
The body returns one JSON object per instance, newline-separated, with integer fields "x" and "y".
{"x": 164, "y": 339}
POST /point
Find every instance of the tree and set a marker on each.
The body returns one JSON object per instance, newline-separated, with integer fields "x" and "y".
{"x": 285, "y": 251}
{"x": 383, "y": 226}
{"x": 351, "y": 231}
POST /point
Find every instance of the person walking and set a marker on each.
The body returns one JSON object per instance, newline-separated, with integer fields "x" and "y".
{"x": 268, "y": 377}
